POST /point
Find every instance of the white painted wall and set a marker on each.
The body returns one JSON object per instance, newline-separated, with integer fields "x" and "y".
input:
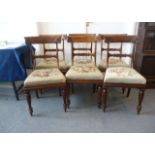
{"x": 106, "y": 27}
{"x": 15, "y": 31}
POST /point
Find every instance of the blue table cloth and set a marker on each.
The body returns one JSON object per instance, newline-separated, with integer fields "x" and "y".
{"x": 11, "y": 66}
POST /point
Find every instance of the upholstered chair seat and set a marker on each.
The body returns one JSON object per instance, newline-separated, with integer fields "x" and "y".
{"x": 123, "y": 75}
{"x": 44, "y": 77}
{"x": 84, "y": 73}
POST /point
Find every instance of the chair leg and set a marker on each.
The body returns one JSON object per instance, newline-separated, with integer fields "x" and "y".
{"x": 37, "y": 93}
{"x": 72, "y": 88}
{"x": 140, "y": 99}
{"x": 123, "y": 90}
{"x": 41, "y": 91}
{"x": 128, "y": 92}
{"x": 104, "y": 97}
{"x": 99, "y": 96}
{"x": 68, "y": 96}
{"x": 94, "y": 88}
{"x": 65, "y": 98}
{"x": 60, "y": 92}
{"x": 28, "y": 97}
{"x": 15, "y": 90}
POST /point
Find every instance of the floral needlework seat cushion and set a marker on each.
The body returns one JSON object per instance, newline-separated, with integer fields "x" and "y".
{"x": 84, "y": 73}
{"x": 45, "y": 76}
{"x": 123, "y": 75}
{"x": 113, "y": 62}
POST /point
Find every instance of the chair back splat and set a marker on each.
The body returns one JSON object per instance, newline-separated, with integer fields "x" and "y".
{"x": 83, "y": 46}
{"x": 108, "y": 47}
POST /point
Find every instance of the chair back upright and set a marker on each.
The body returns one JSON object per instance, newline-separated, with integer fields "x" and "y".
{"x": 102, "y": 38}
{"x": 87, "y": 50}
{"x": 32, "y": 41}
{"x": 48, "y": 49}
{"x": 126, "y": 39}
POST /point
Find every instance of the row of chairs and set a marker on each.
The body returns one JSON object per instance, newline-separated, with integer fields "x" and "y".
{"x": 51, "y": 71}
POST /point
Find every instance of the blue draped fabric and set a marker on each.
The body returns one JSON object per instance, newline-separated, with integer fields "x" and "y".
{"x": 11, "y": 66}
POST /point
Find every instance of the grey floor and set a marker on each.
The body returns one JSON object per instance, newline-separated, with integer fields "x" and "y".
{"x": 83, "y": 115}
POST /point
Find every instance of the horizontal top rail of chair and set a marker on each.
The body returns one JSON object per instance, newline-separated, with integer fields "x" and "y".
{"x": 103, "y": 36}
{"x": 82, "y": 39}
{"x": 43, "y": 39}
{"x": 63, "y": 36}
{"x": 123, "y": 39}
{"x": 84, "y": 54}
{"x": 82, "y": 34}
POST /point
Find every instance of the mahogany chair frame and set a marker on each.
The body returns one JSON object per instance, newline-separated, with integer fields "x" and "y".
{"x": 108, "y": 49}
{"x": 84, "y": 38}
{"x": 40, "y": 40}
{"x": 125, "y": 39}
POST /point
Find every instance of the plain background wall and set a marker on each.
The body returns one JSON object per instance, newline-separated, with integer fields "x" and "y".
{"x": 15, "y": 31}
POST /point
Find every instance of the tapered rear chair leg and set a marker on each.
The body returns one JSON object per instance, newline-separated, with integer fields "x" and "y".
{"x": 140, "y": 99}
{"x": 104, "y": 97}
{"x": 28, "y": 97}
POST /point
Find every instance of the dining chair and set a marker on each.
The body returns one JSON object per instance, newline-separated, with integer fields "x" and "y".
{"x": 44, "y": 78}
{"x": 84, "y": 46}
{"x": 122, "y": 76}
{"x": 114, "y": 48}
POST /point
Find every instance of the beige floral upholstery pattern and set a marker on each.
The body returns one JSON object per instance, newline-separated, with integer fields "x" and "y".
{"x": 84, "y": 73}
{"x": 113, "y": 62}
{"x": 123, "y": 75}
{"x": 52, "y": 63}
{"x": 45, "y": 76}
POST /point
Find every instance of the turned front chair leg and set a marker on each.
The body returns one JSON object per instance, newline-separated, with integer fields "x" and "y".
{"x": 104, "y": 97}
{"x": 140, "y": 99}
{"x": 28, "y": 97}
